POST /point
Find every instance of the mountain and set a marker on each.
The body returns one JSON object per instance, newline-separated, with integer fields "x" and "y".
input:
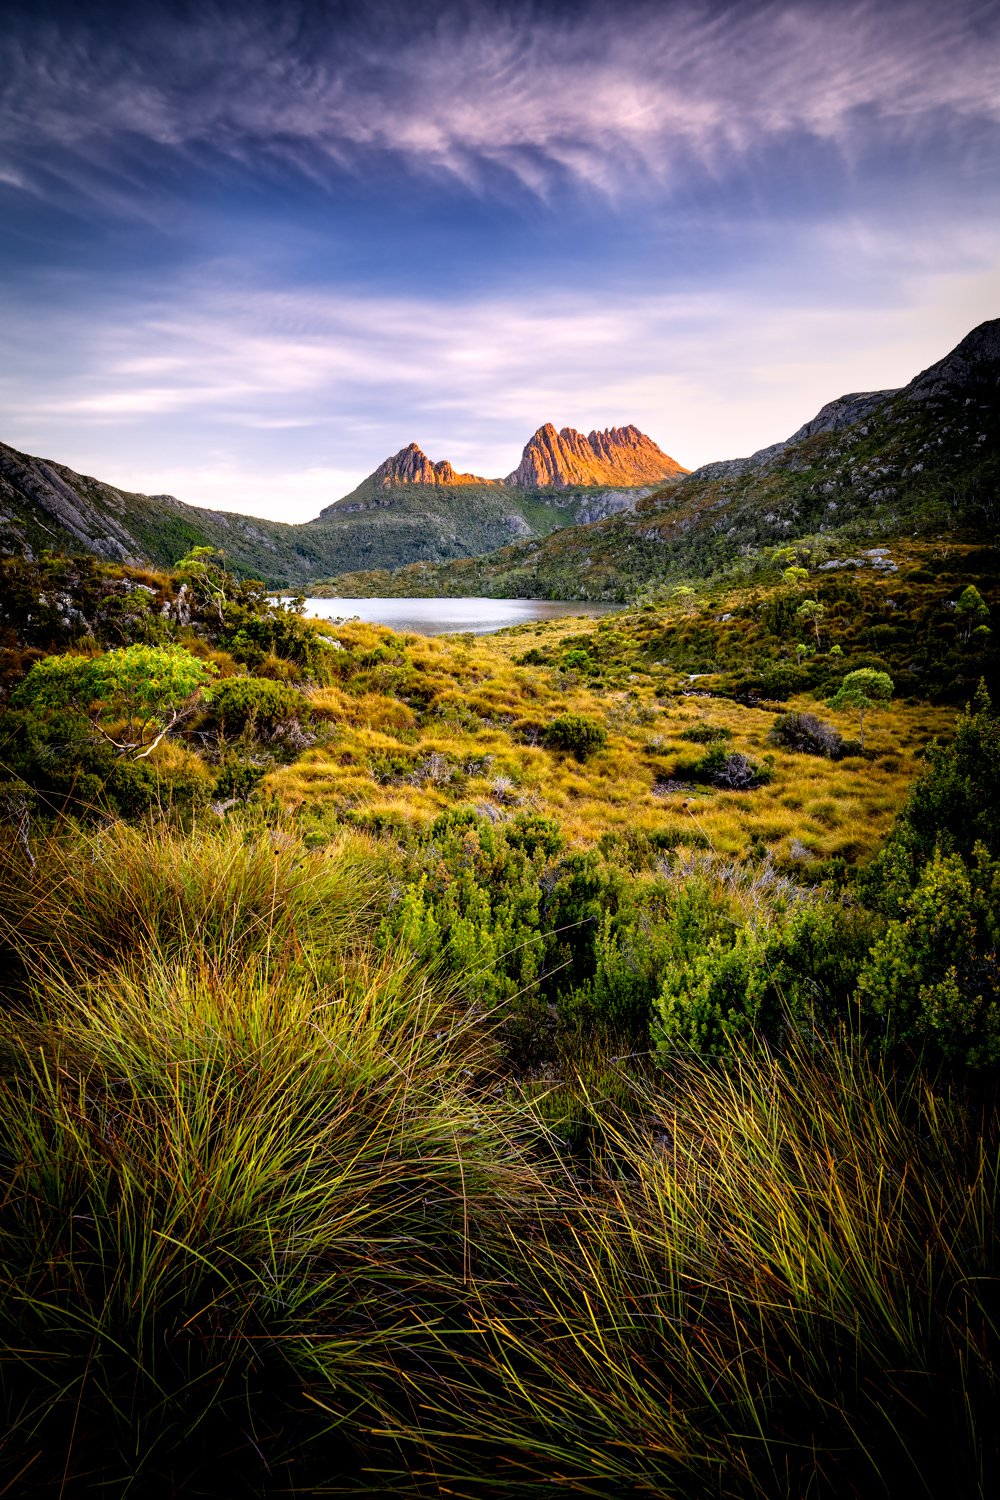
{"x": 870, "y": 466}
{"x": 412, "y": 466}
{"x": 619, "y": 455}
{"x": 45, "y": 504}
{"x": 408, "y": 508}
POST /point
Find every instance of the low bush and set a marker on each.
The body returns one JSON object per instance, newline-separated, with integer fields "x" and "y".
{"x": 806, "y": 734}
{"x": 575, "y": 734}
{"x": 706, "y": 734}
{"x": 731, "y": 770}
{"x": 259, "y": 707}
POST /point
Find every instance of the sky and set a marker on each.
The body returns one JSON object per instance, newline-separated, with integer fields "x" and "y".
{"x": 249, "y": 250}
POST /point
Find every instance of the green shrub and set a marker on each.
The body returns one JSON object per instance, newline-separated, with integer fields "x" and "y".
{"x": 257, "y": 706}
{"x": 132, "y": 696}
{"x": 953, "y": 806}
{"x": 933, "y": 980}
{"x": 795, "y": 969}
{"x": 706, "y": 734}
{"x": 575, "y": 734}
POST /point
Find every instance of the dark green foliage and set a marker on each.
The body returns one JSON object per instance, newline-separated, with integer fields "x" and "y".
{"x": 797, "y": 968}
{"x": 730, "y": 770}
{"x": 56, "y": 756}
{"x": 933, "y": 980}
{"x": 953, "y": 806}
{"x": 575, "y": 734}
{"x": 806, "y": 734}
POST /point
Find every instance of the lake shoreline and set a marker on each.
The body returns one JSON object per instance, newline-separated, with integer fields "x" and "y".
{"x": 473, "y": 614}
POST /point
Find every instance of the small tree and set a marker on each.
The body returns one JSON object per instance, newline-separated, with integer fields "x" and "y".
{"x": 812, "y": 612}
{"x": 972, "y": 611}
{"x": 795, "y": 575}
{"x": 203, "y": 571}
{"x": 132, "y": 697}
{"x": 865, "y": 691}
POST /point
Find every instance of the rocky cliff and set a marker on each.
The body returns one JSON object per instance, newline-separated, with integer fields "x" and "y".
{"x": 617, "y": 456}
{"x": 412, "y": 466}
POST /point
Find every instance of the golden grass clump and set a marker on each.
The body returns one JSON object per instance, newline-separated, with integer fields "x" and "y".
{"x": 242, "y": 1157}
{"x": 779, "y": 1283}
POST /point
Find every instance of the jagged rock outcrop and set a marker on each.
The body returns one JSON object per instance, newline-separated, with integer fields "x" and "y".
{"x": 412, "y": 466}
{"x": 617, "y": 456}
{"x": 972, "y": 364}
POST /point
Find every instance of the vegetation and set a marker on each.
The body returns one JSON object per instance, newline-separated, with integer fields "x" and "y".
{"x": 464, "y": 1066}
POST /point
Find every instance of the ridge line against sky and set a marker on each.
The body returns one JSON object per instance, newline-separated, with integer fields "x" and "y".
{"x": 250, "y": 251}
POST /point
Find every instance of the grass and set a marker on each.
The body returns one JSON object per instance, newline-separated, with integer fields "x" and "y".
{"x": 474, "y": 714}
{"x": 242, "y": 1162}
{"x": 780, "y": 1281}
{"x": 272, "y": 1223}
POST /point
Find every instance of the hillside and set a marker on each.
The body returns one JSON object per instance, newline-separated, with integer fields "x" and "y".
{"x": 408, "y": 509}
{"x": 869, "y": 466}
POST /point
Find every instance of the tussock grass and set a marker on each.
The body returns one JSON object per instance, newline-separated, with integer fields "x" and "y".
{"x": 781, "y": 1281}
{"x": 222, "y": 896}
{"x": 240, "y": 1186}
{"x": 471, "y": 701}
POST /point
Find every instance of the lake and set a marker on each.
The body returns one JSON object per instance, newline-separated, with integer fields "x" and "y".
{"x": 448, "y": 616}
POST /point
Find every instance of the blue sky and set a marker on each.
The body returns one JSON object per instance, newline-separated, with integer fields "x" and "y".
{"x": 247, "y": 251}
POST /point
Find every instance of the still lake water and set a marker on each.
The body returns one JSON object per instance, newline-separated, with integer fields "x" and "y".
{"x": 448, "y": 616}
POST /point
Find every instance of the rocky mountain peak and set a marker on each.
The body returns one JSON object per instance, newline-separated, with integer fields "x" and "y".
{"x": 412, "y": 466}
{"x": 618, "y": 455}
{"x": 972, "y": 364}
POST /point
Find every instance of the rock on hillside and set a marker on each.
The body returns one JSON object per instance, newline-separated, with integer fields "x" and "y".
{"x": 617, "y": 456}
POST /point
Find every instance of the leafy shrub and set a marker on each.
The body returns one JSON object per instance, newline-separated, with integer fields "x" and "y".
{"x": 953, "y": 806}
{"x": 575, "y": 734}
{"x": 706, "y": 734}
{"x": 57, "y": 756}
{"x": 935, "y": 975}
{"x": 257, "y": 706}
{"x": 806, "y": 734}
{"x": 578, "y": 660}
{"x": 798, "y": 967}
{"x": 731, "y": 770}
{"x": 139, "y": 691}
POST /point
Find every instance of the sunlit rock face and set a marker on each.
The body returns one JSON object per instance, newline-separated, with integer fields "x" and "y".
{"x": 412, "y": 466}
{"x": 619, "y": 455}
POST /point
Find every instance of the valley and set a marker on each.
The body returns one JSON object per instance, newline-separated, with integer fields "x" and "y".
{"x": 413, "y": 1043}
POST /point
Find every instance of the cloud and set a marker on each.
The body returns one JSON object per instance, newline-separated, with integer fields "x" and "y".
{"x": 615, "y": 101}
{"x": 278, "y": 403}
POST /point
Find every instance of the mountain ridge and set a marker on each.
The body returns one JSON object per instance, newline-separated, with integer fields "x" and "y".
{"x": 921, "y": 458}
{"x": 408, "y": 509}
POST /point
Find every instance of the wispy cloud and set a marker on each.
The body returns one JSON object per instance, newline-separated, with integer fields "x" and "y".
{"x": 279, "y": 402}
{"x": 611, "y": 99}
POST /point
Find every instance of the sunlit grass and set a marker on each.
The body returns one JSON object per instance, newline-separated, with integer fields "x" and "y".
{"x": 479, "y": 703}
